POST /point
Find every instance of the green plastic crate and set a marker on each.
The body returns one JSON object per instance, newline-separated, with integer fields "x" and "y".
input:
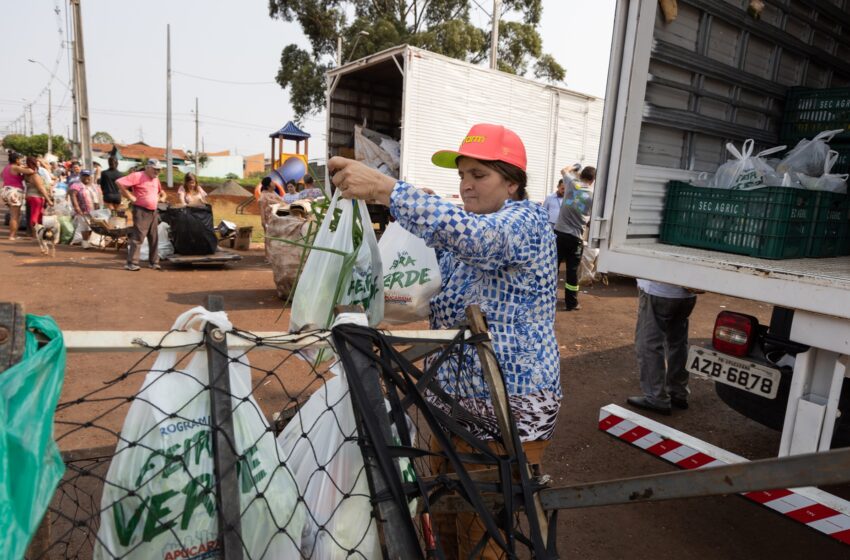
{"x": 811, "y": 111}
{"x": 770, "y": 223}
{"x": 831, "y": 228}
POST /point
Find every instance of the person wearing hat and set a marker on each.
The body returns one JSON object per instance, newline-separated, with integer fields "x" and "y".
{"x": 498, "y": 252}
{"x": 144, "y": 191}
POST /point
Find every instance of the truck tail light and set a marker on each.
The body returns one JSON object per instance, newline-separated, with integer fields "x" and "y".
{"x": 734, "y": 333}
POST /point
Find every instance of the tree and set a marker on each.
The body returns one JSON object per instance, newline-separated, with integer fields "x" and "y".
{"x": 441, "y": 26}
{"x": 101, "y": 137}
{"x": 36, "y": 145}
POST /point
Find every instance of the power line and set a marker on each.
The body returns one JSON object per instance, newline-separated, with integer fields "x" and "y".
{"x": 231, "y": 82}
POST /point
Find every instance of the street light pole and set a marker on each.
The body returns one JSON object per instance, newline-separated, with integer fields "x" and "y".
{"x": 80, "y": 75}
{"x": 49, "y": 122}
{"x": 169, "y": 156}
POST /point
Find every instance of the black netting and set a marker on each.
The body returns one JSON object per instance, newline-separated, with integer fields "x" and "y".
{"x": 388, "y": 456}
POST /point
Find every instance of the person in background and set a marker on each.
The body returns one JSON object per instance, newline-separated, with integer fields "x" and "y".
{"x": 13, "y": 190}
{"x": 191, "y": 193}
{"x": 268, "y": 198}
{"x": 661, "y": 344}
{"x": 46, "y": 175}
{"x": 292, "y": 193}
{"x": 82, "y": 204}
{"x": 311, "y": 191}
{"x": 569, "y": 230}
{"x": 497, "y": 252}
{"x": 144, "y": 190}
{"x": 74, "y": 172}
{"x": 38, "y": 193}
{"x": 87, "y": 179}
{"x": 61, "y": 182}
{"x": 552, "y": 203}
{"x": 108, "y": 185}
{"x": 97, "y": 169}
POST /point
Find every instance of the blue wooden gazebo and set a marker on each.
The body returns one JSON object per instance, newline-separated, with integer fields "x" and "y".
{"x": 289, "y": 131}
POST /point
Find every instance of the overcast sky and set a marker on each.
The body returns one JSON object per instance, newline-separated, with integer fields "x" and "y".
{"x": 226, "y": 40}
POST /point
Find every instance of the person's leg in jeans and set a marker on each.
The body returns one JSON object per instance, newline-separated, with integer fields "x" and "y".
{"x": 141, "y": 223}
{"x": 649, "y": 346}
{"x": 153, "y": 239}
{"x": 574, "y": 248}
{"x": 676, "y": 339}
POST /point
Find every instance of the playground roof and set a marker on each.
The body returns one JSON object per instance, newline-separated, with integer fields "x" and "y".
{"x": 290, "y": 132}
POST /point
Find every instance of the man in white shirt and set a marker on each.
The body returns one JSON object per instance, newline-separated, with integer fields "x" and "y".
{"x": 553, "y": 202}
{"x": 661, "y": 344}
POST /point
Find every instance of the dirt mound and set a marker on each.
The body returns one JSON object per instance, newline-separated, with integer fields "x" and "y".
{"x": 231, "y": 188}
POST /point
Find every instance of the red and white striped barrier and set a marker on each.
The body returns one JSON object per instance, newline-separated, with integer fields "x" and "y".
{"x": 813, "y": 507}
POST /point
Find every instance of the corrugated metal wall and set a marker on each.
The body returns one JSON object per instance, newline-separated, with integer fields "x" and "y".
{"x": 445, "y": 98}
{"x": 717, "y": 75}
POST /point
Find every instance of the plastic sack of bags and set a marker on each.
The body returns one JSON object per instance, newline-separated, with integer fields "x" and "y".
{"x": 66, "y": 229}
{"x": 808, "y": 156}
{"x": 746, "y": 171}
{"x": 286, "y": 258}
{"x": 344, "y": 267}
{"x": 32, "y": 464}
{"x": 827, "y": 181}
{"x": 159, "y": 495}
{"x": 377, "y": 150}
{"x": 163, "y": 243}
{"x": 411, "y": 275}
{"x": 587, "y": 273}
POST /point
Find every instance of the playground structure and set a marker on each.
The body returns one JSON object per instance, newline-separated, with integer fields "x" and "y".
{"x": 288, "y": 166}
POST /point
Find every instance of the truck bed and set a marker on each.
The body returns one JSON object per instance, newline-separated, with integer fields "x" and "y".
{"x": 818, "y": 285}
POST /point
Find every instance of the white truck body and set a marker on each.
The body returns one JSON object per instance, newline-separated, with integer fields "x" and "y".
{"x": 429, "y": 102}
{"x": 677, "y": 92}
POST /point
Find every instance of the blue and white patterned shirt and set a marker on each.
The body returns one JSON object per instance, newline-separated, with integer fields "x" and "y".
{"x": 504, "y": 262}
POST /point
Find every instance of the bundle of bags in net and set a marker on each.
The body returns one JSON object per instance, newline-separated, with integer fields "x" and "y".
{"x": 808, "y": 165}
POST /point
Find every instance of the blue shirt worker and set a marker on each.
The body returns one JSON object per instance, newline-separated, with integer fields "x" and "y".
{"x": 498, "y": 252}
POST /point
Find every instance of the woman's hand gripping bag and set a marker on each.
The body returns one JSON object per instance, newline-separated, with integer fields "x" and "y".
{"x": 344, "y": 267}
{"x": 411, "y": 275}
{"x": 159, "y": 498}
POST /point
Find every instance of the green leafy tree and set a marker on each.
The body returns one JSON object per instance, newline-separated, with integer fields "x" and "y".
{"x": 441, "y": 26}
{"x": 36, "y": 145}
{"x": 101, "y": 137}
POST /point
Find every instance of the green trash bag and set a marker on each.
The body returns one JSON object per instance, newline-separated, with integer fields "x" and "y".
{"x": 30, "y": 463}
{"x": 66, "y": 229}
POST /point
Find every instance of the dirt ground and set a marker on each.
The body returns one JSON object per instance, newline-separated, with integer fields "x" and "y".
{"x": 90, "y": 290}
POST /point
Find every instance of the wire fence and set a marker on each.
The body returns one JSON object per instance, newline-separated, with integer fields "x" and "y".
{"x": 348, "y": 443}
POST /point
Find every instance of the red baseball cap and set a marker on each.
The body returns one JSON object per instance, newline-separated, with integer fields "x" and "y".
{"x": 487, "y": 142}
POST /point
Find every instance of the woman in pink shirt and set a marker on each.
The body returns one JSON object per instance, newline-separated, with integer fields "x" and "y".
{"x": 13, "y": 191}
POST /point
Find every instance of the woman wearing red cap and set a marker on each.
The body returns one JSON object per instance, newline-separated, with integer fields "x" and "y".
{"x": 497, "y": 252}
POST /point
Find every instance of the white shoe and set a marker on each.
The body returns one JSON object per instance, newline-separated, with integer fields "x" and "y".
{"x": 85, "y": 244}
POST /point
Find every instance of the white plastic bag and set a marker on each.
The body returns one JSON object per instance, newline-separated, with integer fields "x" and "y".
{"x": 163, "y": 243}
{"x": 154, "y": 504}
{"x": 348, "y": 525}
{"x": 827, "y": 182}
{"x": 808, "y": 156}
{"x": 338, "y": 272}
{"x": 746, "y": 171}
{"x": 411, "y": 275}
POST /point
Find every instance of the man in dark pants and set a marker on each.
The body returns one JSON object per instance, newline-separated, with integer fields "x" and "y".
{"x": 569, "y": 230}
{"x": 146, "y": 192}
{"x": 108, "y": 186}
{"x": 661, "y": 343}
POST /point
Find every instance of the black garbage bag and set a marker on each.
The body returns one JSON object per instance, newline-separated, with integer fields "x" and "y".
{"x": 192, "y": 230}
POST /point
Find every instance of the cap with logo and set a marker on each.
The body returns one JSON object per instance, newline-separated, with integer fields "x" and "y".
{"x": 487, "y": 142}
{"x": 153, "y": 163}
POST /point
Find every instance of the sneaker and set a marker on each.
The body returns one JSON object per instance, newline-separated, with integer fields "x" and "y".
{"x": 132, "y": 267}
{"x": 156, "y": 267}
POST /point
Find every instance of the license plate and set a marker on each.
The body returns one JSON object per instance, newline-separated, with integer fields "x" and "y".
{"x": 744, "y": 375}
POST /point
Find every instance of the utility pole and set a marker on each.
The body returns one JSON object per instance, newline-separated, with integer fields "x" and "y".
{"x": 338, "y": 51}
{"x": 49, "y": 122}
{"x": 494, "y": 36}
{"x": 197, "y": 156}
{"x": 82, "y": 90}
{"x": 169, "y": 156}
